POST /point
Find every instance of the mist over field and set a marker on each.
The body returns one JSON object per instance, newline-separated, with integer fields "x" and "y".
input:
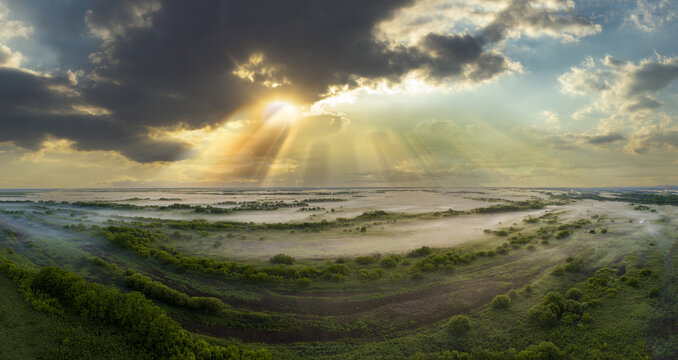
{"x": 293, "y": 273}
{"x": 326, "y": 179}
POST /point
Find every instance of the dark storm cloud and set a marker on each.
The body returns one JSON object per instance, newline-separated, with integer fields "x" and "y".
{"x": 34, "y": 107}
{"x": 604, "y": 139}
{"x": 172, "y": 63}
{"x": 653, "y": 140}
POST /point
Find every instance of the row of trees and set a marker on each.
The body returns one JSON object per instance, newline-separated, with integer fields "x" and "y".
{"x": 146, "y": 325}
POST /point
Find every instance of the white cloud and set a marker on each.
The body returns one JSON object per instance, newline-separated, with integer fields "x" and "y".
{"x": 10, "y": 29}
{"x": 649, "y": 15}
{"x": 115, "y": 21}
{"x": 621, "y": 86}
{"x": 512, "y": 18}
{"x": 8, "y": 57}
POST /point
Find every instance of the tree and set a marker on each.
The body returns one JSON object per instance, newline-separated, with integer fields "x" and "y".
{"x": 282, "y": 259}
{"x": 501, "y": 302}
{"x": 458, "y": 325}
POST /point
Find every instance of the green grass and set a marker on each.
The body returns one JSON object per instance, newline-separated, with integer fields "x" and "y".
{"x": 617, "y": 326}
{"x": 26, "y": 333}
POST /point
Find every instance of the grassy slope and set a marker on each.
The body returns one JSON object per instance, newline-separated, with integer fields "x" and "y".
{"x": 28, "y": 334}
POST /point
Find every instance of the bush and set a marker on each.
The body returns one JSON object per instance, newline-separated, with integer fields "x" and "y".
{"x": 562, "y": 234}
{"x": 303, "y": 282}
{"x": 546, "y": 350}
{"x": 458, "y": 325}
{"x": 365, "y": 274}
{"x": 574, "y": 294}
{"x": 422, "y": 251}
{"x": 156, "y": 290}
{"x": 365, "y": 260}
{"x": 336, "y": 269}
{"x": 501, "y": 250}
{"x": 654, "y": 292}
{"x": 282, "y": 259}
{"x": 501, "y": 302}
{"x": 389, "y": 262}
{"x": 543, "y": 315}
{"x": 633, "y": 282}
{"x": 206, "y": 304}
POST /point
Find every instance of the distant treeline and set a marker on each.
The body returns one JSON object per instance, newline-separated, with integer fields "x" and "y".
{"x": 638, "y": 198}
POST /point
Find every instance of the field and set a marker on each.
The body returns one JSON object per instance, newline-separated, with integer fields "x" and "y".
{"x": 393, "y": 273}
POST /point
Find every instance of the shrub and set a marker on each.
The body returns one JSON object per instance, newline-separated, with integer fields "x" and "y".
{"x": 531, "y": 248}
{"x": 422, "y": 251}
{"x": 365, "y": 260}
{"x": 604, "y": 231}
{"x": 309, "y": 272}
{"x": 337, "y": 269}
{"x": 501, "y": 302}
{"x": 501, "y": 250}
{"x": 654, "y": 292}
{"x": 389, "y": 262}
{"x": 562, "y": 234}
{"x": 156, "y": 290}
{"x": 646, "y": 272}
{"x": 458, "y": 325}
{"x": 282, "y": 259}
{"x": 341, "y": 260}
{"x": 545, "y": 350}
{"x": 303, "y": 282}
{"x": 586, "y": 317}
{"x": 206, "y": 304}
{"x": 543, "y": 315}
{"x": 574, "y": 294}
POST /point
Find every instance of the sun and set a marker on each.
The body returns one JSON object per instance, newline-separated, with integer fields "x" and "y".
{"x": 280, "y": 113}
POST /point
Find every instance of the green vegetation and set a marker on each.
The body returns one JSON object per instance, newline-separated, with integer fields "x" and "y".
{"x": 458, "y": 325}
{"x": 501, "y": 302}
{"x": 54, "y": 290}
{"x": 135, "y": 296}
{"x": 282, "y": 259}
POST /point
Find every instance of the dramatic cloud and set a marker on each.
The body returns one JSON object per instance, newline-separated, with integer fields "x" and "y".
{"x": 35, "y": 106}
{"x": 107, "y": 20}
{"x": 653, "y": 138}
{"x": 622, "y": 85}
{"x": 604, "y": 138}
{"x": 188, "y": 65}
{"x": 10, "y": 28}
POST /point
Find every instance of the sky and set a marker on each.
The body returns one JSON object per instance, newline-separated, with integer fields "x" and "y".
{"x": 334, "y": 93}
